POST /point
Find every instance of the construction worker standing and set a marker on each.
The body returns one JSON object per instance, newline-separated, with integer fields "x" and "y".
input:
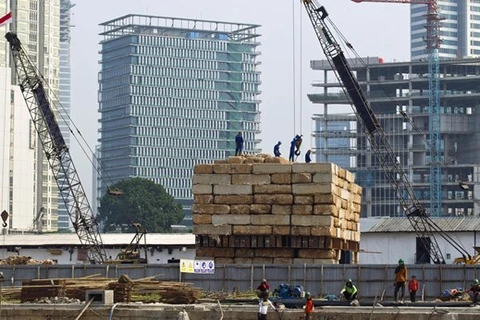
{"x": 276, "y": 149}
{"x": 263, "y": 305}
{"x": 308, "y": 158}
{"x": 400, "y": 279}
{"x": 238, "y": 144}
{"x": 308, "y": 307}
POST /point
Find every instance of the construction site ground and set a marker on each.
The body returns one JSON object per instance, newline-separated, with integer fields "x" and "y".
{"x": 217, "y": 311}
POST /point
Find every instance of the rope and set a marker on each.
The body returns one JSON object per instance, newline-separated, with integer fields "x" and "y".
{"x": 294, "y": 69}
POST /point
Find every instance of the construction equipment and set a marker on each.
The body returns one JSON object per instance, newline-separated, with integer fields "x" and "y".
{"x": 423, "y": 225}
{"x": 432, "y": 41}
{"x": 131, "y": 254}
{"x": 56, "y": 151}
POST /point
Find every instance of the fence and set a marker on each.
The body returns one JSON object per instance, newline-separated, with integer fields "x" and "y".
{"x": 372, "y": 281}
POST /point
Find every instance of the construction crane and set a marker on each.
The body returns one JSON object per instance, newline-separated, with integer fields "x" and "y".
{"x": 423, "y": 225}
{"x": 56, "y": 151}
{"x": 131, "y": 254}
{"x": 433, "y": 41}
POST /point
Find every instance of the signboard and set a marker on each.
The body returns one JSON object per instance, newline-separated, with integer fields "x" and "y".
{"x": 204, "y": 266}
{"x": 197, "y": 266}
{"x": 186, "y": 266}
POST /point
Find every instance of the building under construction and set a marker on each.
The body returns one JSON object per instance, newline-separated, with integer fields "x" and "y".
{"x": 398, "y": 94}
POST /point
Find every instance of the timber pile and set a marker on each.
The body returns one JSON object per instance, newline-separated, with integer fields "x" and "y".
{"x": 23, "y": 260}
{"x": 39, "y": 288}
{"x": 124, "y": 289}
{"x": 250, "y": 209}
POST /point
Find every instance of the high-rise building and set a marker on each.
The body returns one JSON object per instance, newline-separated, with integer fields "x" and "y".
{"x": 27, "y": 184}
{"x": 64, "y": 222}
{"x": 398, "y": 95}
{"x": 459, "y": 29}
{"x": 175, "y": 92}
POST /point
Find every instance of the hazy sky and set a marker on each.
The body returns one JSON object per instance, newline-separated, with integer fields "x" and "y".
{"x": 374, "y": 29}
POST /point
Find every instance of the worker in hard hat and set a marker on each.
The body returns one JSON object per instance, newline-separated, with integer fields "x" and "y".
{"x": 400, "y": 279}
{"x": 276, "y": 149}
{"x": 308, "y": 157}
{"x": 263, "y": 289}
{"x": 349, "y": 291}
{"x": 239, "y": 144}
{"x": 308, "y": 307}
{"x": 474, "y": 291}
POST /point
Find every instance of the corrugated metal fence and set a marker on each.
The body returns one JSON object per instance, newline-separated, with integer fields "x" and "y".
{"x": 371, "y": 280}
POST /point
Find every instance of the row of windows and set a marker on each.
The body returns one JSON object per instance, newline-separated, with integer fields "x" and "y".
{"x": 150, "y": 130}
{"x": 183, "y": 42}
{"x": 176, "y": 92}
{"x": 154, "y": 75}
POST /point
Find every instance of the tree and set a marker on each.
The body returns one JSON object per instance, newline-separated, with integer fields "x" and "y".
{"x": 139, "y": 201}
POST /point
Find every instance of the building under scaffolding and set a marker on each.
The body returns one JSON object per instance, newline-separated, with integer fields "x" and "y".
{"x": 398, "y": 94}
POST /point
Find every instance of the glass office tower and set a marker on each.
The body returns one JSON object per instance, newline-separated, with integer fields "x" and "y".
{"x": 175, "y": 92}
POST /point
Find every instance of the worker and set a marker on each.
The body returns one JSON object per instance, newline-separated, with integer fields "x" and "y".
{"x": 349, "y": 291}
{"x": 308, "y": 159}
{"x": 474, "y": 291}
{"x": 308, "y": 307}
{"x": 276, "y": 149}
{"x": 263, "y": 289}
{"x": 413, "y": 288}
{"x": 263, "y": 305}
{"x": 238, "y": 144}
{"x": 291, "y": 155}
{"x": 400, "y": 279}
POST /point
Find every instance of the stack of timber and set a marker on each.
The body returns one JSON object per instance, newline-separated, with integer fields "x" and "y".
{"x": 124, "y": 289}
{"x": 40, "y": 288}
{"x": 262, "y": 209}
{"x": 23, "y": 260}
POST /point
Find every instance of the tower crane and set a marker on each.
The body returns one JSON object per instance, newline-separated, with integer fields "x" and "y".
{"x": 433, "y": 41}
{"x": 423, "y": 225}
{"x": 56, "y": 151}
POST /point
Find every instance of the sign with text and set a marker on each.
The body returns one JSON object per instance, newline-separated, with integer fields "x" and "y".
{"x": 197, "y": 266}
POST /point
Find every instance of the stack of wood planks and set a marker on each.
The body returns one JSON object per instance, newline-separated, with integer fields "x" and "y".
{"x": 260, "y": 211}
{"x": 125, "y": 289}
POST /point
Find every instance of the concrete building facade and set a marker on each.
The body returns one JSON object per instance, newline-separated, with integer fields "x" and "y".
{"x": 398, "y": 94}
{"x": 66, "y": 6}
{"x": 27, "y": 184}
{"x": 175, "y": 92}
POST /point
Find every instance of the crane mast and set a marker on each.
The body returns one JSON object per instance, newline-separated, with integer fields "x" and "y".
{"x": 56, "y": 151}
{"x": 422, "y": 224}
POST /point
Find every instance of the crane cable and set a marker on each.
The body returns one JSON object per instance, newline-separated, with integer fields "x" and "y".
{"x": 414, "y": 127}
{"x": 294, "y": 71}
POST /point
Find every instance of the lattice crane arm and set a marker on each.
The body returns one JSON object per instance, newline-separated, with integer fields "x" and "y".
{"x": 416, "y": 214}
{"x": 56, "y": 151}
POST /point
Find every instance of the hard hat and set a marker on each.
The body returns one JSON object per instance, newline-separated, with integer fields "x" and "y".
{"x": 475, "y": 281}
{"x": 264, "y": 280}
{"x": 400, "y": 261}
{"x": 307, "y": 294}
{"x": 349, "y": 280}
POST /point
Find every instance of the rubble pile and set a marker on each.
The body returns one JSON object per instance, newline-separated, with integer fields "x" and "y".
{"x": 23, "y": 260}
{"x": 263, "y": 209}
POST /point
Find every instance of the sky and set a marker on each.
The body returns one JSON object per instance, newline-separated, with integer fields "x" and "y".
{"x": 288, "y": 44}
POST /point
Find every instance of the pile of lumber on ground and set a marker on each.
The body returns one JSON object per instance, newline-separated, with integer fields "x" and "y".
{"x": 124, "y": 289}
{"x": 249, "y": 209}
{"x": 17, "y": 260}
